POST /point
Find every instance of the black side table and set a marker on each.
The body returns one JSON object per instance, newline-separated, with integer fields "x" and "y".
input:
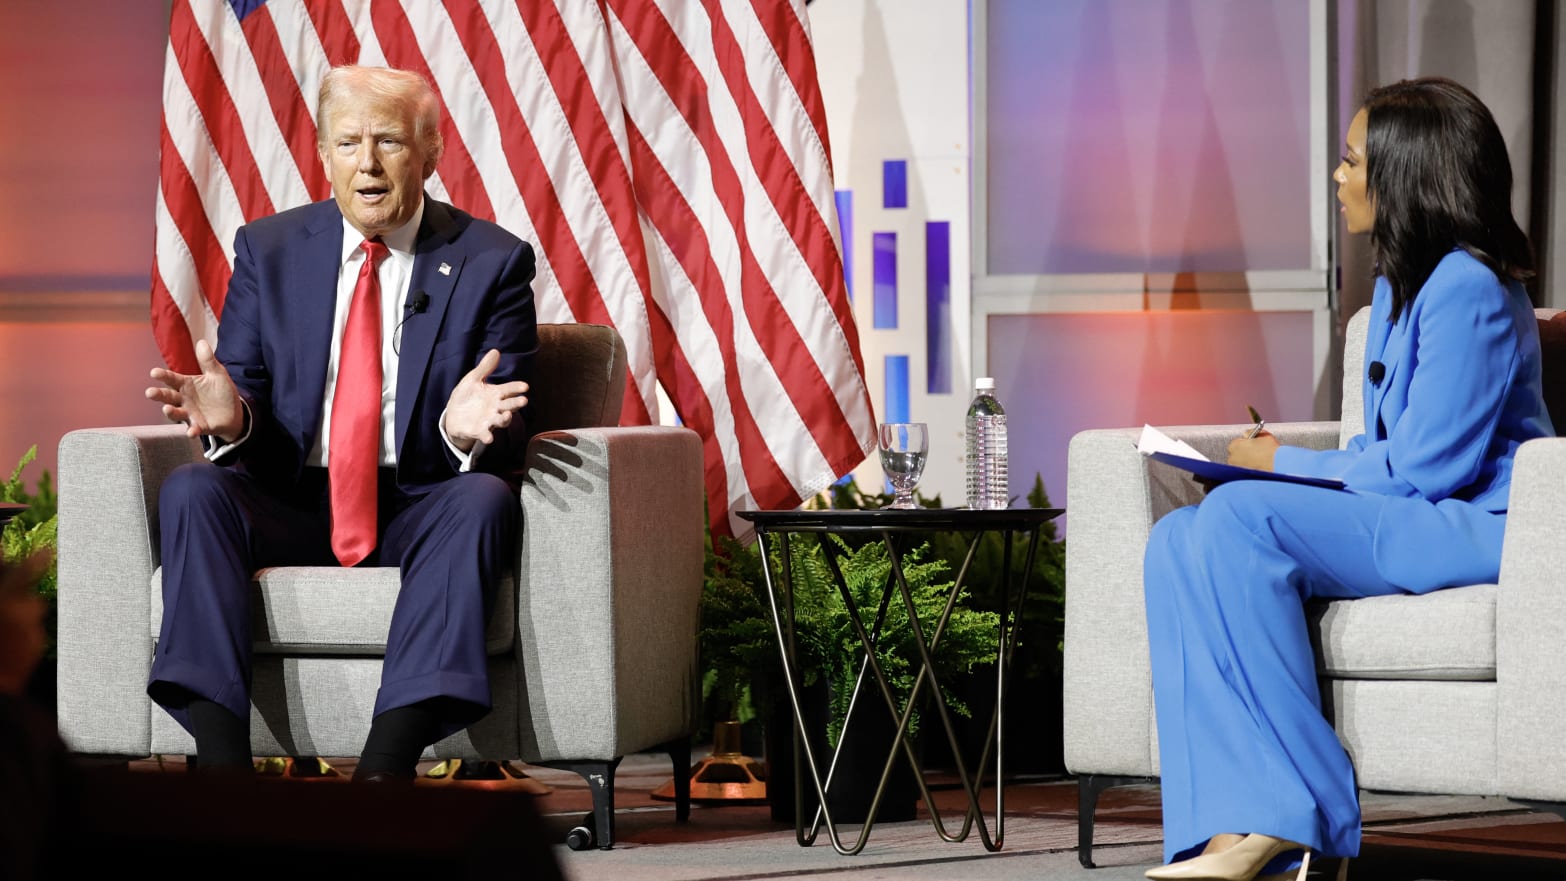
{"x": 886, "y": 524}
{"x": 9, "y": 510}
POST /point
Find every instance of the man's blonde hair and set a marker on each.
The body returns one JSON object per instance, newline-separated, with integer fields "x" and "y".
{"x": 401, "y": 87}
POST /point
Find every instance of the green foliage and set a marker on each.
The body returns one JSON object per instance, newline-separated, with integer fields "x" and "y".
{"x": 33, "y": 529}
{"x": 736, "y": 629}
{"x": 1042, "y": 619}
{"x": 1043, "y": 613}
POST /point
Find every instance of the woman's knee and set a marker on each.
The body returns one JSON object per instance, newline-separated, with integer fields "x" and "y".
{"x": 1239, "y": 508}
{"x": 1169, "y": 533}
{"x": 1231, "y": 518}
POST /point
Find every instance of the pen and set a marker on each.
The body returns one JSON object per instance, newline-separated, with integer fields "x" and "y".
{"x": 1256, "y": 418}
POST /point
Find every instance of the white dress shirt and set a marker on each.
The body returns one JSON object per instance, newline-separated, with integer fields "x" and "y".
{"x": 395, "y": 274}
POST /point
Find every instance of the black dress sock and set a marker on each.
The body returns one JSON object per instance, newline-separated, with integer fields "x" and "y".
{"x": 398, "y": 737}
{"x": 222, "y": 738}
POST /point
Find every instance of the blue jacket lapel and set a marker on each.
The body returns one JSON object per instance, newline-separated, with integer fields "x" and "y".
{"x": 312, "y": 292}
{"x": 437, "y": 264}
{"x": 1386, "y": 399}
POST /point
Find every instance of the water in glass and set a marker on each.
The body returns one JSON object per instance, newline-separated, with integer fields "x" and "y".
{"x": 904, "y": 447}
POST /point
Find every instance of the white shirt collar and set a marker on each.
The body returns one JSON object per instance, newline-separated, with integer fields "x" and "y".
{"x": 402, "y": 239}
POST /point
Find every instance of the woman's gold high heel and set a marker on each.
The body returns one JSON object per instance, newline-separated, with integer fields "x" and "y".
{"x": 1242, "y": 862}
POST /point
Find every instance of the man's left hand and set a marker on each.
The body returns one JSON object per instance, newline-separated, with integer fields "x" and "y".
{"x": 477, "y": 409}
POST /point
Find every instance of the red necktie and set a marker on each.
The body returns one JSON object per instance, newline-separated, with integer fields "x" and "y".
{"x": 354, "y": 450}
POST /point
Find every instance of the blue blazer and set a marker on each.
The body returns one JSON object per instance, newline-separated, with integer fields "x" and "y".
{"x": 276, "y": 334}
{"x": 1460, "y": 392}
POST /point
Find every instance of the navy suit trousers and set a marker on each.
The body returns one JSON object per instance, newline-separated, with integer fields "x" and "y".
{"x": 220, "y": 525}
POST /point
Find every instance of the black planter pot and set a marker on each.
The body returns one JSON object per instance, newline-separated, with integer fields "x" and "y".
{"x": 778, "y": 734}
{"x": 780, "y": 774}
{"x": 1034, "y": 738}
{"x": 866, "y": 741}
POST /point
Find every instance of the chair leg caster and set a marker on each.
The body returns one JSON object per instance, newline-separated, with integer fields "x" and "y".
{"x": 597, "y": 829}
{"x": 585, "y": 836}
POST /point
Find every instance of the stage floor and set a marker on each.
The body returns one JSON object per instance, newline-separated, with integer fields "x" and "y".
{"x": 1407, "y": 837}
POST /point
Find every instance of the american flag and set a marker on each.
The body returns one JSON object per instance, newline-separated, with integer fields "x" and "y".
{"x": 668, "y": 159}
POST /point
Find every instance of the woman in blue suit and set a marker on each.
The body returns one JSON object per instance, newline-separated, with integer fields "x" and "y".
{"x": 1254, "y": 778}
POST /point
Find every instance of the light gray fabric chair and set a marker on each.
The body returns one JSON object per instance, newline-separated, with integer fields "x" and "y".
{"x": 592, "y": 644}
{"x": 1458, "y": 691}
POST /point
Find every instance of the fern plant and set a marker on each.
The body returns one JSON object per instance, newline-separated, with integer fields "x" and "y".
{"x": 826, "y": 632}
{"x": 32, "y": 530}
{"x": 737, "y": 642}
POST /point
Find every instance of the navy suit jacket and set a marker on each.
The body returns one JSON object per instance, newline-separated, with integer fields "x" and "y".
{"x": 276, "y": 334}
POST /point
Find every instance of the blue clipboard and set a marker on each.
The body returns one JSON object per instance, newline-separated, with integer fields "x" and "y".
{"x": 1219, "y": 472}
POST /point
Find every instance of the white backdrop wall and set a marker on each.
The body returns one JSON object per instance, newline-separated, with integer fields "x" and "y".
{"x": 895, "y": 79}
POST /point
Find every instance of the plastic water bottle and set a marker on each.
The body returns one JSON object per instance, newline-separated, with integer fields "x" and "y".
{"x": 986, "y": 461}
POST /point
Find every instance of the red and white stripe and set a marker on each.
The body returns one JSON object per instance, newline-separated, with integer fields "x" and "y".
{"x": 667, "y": 158}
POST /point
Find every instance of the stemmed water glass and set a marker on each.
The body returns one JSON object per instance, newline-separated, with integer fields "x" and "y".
{"x": 904, "y": 447}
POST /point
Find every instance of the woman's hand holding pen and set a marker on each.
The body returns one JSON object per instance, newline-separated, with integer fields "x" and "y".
{"x": 1256, "y": 418}
{"x": 1256, "y": 448}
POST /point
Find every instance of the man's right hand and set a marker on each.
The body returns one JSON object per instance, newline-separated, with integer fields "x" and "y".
{"x": 208, "y": 402}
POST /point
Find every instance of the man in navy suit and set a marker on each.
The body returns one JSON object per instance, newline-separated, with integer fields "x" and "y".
{"x": 306, "y": 467}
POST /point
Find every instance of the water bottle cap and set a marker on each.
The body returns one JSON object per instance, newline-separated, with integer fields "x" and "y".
{"x": 984, "y": 382}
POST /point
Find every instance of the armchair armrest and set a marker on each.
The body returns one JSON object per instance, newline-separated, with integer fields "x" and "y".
{"x": 1530, "y": 620}
{"x": 611, "y": 574}
{"x": 1114, "y": 495}
{"x": 109, "y": 481}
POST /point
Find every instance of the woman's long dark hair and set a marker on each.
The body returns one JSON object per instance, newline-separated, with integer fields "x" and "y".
{"x": 1438, "y": 178}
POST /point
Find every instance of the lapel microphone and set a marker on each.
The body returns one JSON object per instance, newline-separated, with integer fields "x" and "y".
{"x": 1377, "y": 372}
{"x": 418, "y": 301}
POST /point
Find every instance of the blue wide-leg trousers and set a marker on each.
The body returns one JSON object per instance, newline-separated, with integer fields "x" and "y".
{"x": 1243, "y": 745}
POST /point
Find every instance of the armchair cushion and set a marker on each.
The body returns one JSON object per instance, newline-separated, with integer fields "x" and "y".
{"x": 1446, "y": 635}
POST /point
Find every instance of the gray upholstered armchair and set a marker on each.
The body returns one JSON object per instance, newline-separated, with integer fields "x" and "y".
{"x": 1456, "y": 692}
{"x": 592, "y": 643}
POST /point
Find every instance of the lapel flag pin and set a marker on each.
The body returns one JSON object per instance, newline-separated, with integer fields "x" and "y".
{"x": 445, "y": 269}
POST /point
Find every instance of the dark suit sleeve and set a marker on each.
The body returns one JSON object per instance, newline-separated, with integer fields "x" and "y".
{"x": 239, "y": 346}
{"x": 511, "y": 327}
